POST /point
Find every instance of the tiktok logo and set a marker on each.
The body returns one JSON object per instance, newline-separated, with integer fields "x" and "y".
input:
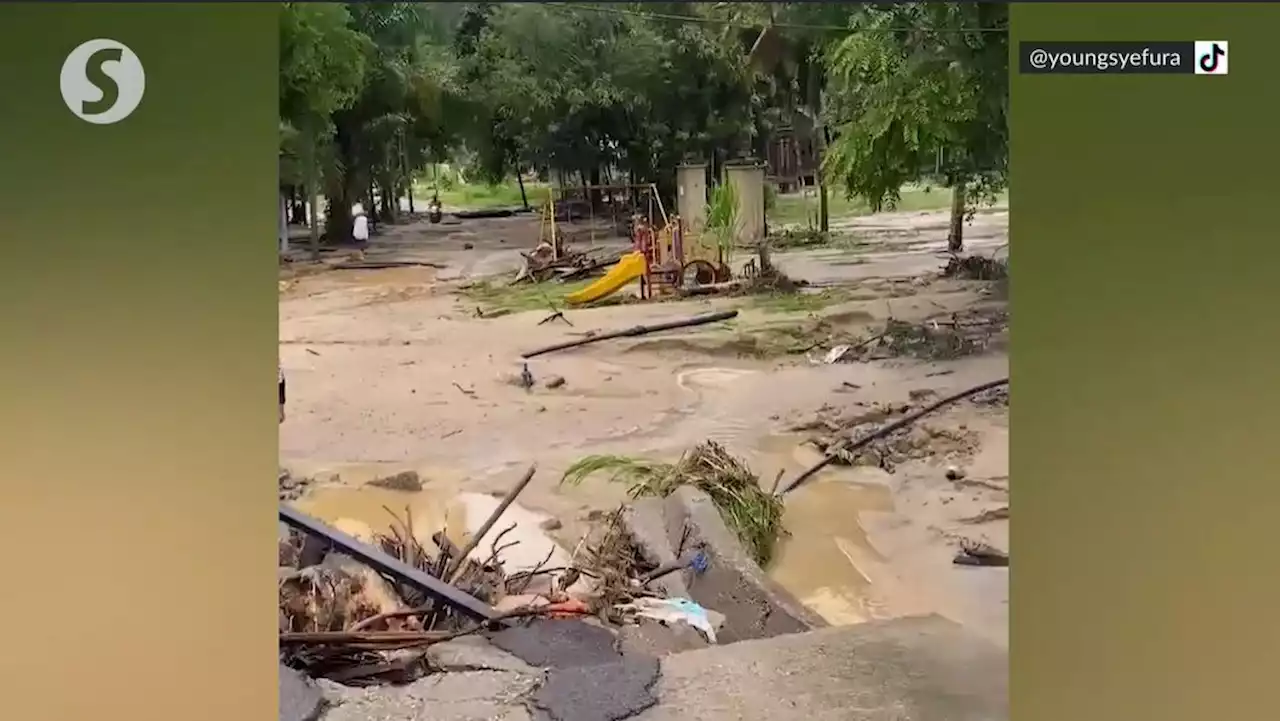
{"x": 1211, "y": 57}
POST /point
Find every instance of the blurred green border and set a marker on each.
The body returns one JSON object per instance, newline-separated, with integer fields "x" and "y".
{"x": 1145, "y": 385}
{"x": 139, "y": 304}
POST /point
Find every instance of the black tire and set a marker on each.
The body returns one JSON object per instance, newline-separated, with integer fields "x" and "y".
{"x": 697, "y": 273}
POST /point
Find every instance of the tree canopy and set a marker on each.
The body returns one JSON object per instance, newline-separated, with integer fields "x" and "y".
{"x": 373, "y": 93}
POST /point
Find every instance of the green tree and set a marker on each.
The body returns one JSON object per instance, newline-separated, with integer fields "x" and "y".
{"x": 321, "y": 72}
{"x": 919, "y": 90}
{"x": 786, "y": 43}
{"x": 398, "y": 116}
{"x": 580, "y": 90}
{"x": 374, "y": 92}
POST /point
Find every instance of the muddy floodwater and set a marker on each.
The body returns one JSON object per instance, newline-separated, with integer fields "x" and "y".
{"x": 824, "y": 556}
{"x": 374, "y": 507}
{"x": 824, "y": 560}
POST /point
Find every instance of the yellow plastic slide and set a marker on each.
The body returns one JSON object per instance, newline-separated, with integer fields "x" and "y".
{"x": 631, "y": 267}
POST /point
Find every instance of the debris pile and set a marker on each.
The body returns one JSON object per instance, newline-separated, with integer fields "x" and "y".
{"x": 976, "y": 267}
{"x": 994, "y": 398}
{"x": 916, "y": 442}
{"x": 977, "y": 553}
{"x": 756, "y": 282}
{"x": 623, "y": 574}
{"x": 360, "y": 607}
{"x": 751, "y": 512}
{"x": 544, "y": 264}
{"x": 291, "y": 487}
{"x": 792, "y": 238}
{"x": 842, "y": 448}
{"x": 955, "y": 336}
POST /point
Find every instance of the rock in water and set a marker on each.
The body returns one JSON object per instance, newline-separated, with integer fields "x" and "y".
{"x": 408, "y": 481}
{"x": 290, "y": 487}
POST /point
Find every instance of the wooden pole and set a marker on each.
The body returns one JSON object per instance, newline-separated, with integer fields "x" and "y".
{"x": 636, "y": 331}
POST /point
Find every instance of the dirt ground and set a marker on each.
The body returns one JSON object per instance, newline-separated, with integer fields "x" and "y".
{"x": 392, "y": 369}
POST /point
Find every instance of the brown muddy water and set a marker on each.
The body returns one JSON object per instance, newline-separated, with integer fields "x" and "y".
{"x": 378, "y": 508}
{"x": 824, "y": 559}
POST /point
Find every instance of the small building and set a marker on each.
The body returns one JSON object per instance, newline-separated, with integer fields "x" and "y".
{"x": 792, "y": 160}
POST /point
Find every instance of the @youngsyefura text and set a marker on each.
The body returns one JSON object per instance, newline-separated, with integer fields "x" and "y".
{"x": 1193, "y": 57}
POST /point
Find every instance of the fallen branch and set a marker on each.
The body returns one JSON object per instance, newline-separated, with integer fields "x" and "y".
{"x": 363, "y": 638}
{"x": 885, "y": 430}
{"x": 526, "y": 580}
{"x": 637, "y": 331}
{"x": 974, "y": 553}
{"x": 591, "y": 268}
{"x": 387, "y": 640}
{"x": 994, "y": 514}
{"x": 981, "y": 483}
{"x": 558, "y": 315}
{"x": 452, "y": 571}
{"x": 384, "y": 264}
{"x": 401, "y": 670}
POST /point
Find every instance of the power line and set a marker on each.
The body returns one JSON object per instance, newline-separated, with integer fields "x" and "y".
{"x": 698, "y": 19}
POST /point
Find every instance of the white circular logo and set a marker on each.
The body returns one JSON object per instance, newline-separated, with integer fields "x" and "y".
{"x": 102, "y": 81}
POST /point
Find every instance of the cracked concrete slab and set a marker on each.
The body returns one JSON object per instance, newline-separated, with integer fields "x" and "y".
{"x": 646, "y": 522}
{"x": 606, "y": 692}
{"x": 754, "y": 606}
{"x": 300, "y": 698}
{"x": 558, "y": 643}
{"x": 473, "y": 653}
{"x": 912, "y": 669}
{"x": 463, "y": 696}
{"x": 650, "y": 638}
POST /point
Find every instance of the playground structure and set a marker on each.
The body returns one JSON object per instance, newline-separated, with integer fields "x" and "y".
{"x": 668, "y": 253}
{"x": 566, "y": 205}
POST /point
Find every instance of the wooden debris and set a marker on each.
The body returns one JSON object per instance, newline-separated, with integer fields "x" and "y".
{"x": 540, "y": 267}
{"x": 383, "y": 265}
{"x": 974, "y": 553}
{"x": 636, "y": 331}
{"x": 507, "y": 500}
{"x": 994, "y": 514}
{"x": 334, "y": 595}
{"x": 848, "y": 446}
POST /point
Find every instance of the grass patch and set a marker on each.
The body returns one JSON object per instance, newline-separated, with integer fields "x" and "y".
{"x": 798, "y": 302}
{"x": 499, "y": 296}
{"x": 478, "y": 196}
{"x": 798, "y": 209}
{"x": 798, "y": 338}
{"x": 753, "y": 514}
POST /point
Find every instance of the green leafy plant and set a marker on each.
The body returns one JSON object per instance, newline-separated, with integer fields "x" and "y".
{"x": 753, "y": 514}
{"x": 722, "y": 217}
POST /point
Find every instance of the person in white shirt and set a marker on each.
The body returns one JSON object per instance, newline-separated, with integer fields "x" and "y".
{"x": 360, "y": 228}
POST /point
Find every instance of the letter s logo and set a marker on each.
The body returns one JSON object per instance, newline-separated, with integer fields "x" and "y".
{"x": 102, "y": 81}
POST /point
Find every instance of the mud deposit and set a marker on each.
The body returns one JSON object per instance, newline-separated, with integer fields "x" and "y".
{"x": 393, "y": 370}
